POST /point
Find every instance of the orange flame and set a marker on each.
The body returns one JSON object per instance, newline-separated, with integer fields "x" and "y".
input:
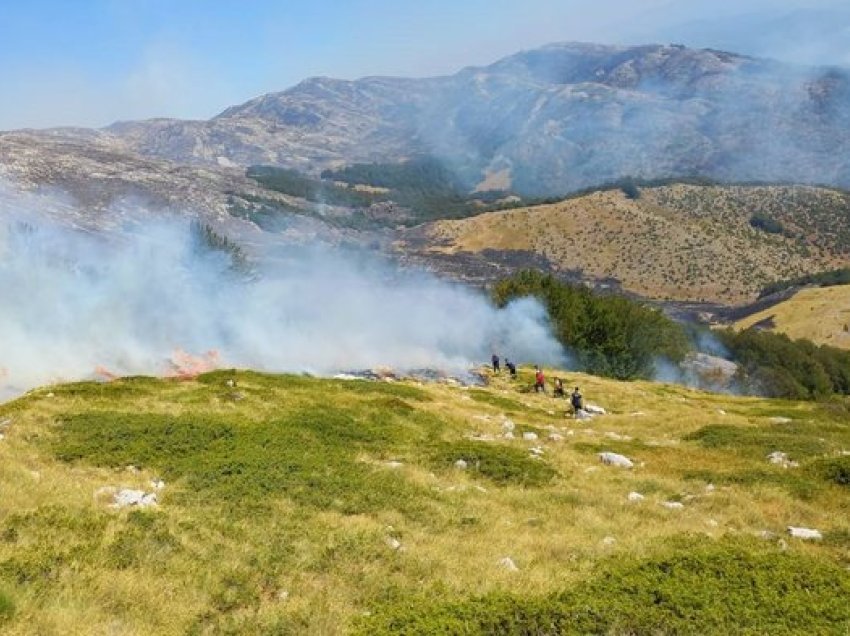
{"x": 105, "y": 374}
{"x": 186, "y": 366}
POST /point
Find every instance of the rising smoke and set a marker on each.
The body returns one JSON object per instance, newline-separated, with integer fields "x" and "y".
{"x": 75, "y": 305}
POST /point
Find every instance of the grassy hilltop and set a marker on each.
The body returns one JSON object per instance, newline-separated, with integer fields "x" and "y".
{"x": 295, "y": 505}
{"x": 820, "y": 314}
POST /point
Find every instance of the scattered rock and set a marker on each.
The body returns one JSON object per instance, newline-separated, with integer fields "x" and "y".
{"x": 529, "y": 436}
{"x": 713, "y": 523}
{"x": 132, "y": 469}
{"x": 673, "y": 505}
{"x": 781, "y": 420}
{"x": 555, "y": 437}
{"x": 508, "y": 435}
{"x": 483, "y": 418}
{"x": 508, "y": 425}
{"x": 609, "y": 541}
{"x": 710, "y": 488}
{"x": 804, "y": 533}
{"x": 581, "y": 414}
{"x": 461, "y": 464}
{"x": 536, "y": 450}
{"x": 127, "y": 497}
{"x": 617, "y": 436}
{"x": 4, "y": 424}
{"x": 767, "y": 535}
{"x": 507, "y": 563}
{"x": 2, "y": 437}
{"x": 50, "y": 395}
{"x": 721, "y": 412}
{"x": 394, "y": 464}
{"x": 157, "y": 484}
{"x": 480, "y": 488}
{"x": 480, "y": 437}
{"x": 593, "y": 409}
{"x": 635, "y": 496}
{"x": 637, "y": 414}
{"x": 393, "y": 543}
{"x": 779, "y": 458}
{"x": 346, "y": 376}
{"x": 615, "y": 459}
{"x": 283, "y": 595}
{"x": 550, "y": 412}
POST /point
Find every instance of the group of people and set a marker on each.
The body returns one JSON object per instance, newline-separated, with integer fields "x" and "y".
{"x": 510, "y": 366}
{"x": 576, "y": 399}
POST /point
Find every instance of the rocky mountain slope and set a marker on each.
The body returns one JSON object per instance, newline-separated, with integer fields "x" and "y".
{"x": 547, "y": 121}
{"x": 678, "y": 242}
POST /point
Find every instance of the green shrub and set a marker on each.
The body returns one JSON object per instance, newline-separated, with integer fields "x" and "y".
{"x": 833, "y": 469}
{"x": 7, "y": 607}
{"x": 695, "y": 587}
{"x": 773, "y": 365}
{"x": 610, "y": 335}
{"x": 500, "y": 464}
{"x": 308, "y": 455}
{"x": 758, "y": 442}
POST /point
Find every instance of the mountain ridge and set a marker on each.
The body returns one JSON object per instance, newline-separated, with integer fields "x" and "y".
{"x": 556, "y": 119}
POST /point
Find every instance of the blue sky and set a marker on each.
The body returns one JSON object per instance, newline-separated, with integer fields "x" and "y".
{"x": 91, "y": 62}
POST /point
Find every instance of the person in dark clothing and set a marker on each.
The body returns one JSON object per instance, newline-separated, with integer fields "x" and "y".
{"x": 495, "y": 363}
{"x": 559, "y": 389}
{"x": 510, "y": 367}
{"x": 539, "y": 381}
{"x": 576, "y": 401}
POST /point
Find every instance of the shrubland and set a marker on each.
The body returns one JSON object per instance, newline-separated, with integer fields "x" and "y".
{"x": 302, "y": 505}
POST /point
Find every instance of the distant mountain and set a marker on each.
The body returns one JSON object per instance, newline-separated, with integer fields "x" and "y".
{"x": 545, "y": 121}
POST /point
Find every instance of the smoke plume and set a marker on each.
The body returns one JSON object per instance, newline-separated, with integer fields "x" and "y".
{"x": 149, "y": 297}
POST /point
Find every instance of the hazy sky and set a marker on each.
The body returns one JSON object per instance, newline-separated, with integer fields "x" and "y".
{"x": 92, "y": 62}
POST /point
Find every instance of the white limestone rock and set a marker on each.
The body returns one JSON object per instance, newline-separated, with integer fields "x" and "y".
{"x": 635, "y": 497}
{"x": 805, "y": 533}
{"x": 507, "y": 563}
{"x": 615, "y": 459}
{"x": 127, "y": 497}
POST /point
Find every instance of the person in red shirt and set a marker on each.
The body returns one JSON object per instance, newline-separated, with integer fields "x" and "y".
{"x": 539, "y": 380}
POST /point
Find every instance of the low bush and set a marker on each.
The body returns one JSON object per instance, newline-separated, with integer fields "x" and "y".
{"x": 833, "y": 469}
{"x": 697, "y": 587}
{"x": 7, "y": 607}
{"x": 500, "y": 464}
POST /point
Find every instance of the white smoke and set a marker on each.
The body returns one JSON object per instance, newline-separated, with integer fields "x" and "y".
{"x": 72, "y": 302}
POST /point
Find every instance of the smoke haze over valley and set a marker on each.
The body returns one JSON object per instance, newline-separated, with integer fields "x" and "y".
{"x": 151, "y": 297}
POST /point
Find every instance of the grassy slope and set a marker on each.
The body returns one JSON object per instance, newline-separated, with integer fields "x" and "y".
{"x": 682, "y": 242}
{"x": 279, "y": 505}
{"x": 820, "y": 314}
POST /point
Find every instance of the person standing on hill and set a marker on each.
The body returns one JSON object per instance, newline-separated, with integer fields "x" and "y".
{"x": 510, "y": 367}
{"x": 577, "y": 401}
{"x": 559, "y": 389}
{"x": 495, "y": 360}
{"x": 539, "y": 380}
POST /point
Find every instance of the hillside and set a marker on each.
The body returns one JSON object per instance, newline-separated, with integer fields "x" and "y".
{"x": 678, "y": 242}
{"x": 819, "y": 314}
{"x": 293, "y": 505}
{"x": 541, "y": 122}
